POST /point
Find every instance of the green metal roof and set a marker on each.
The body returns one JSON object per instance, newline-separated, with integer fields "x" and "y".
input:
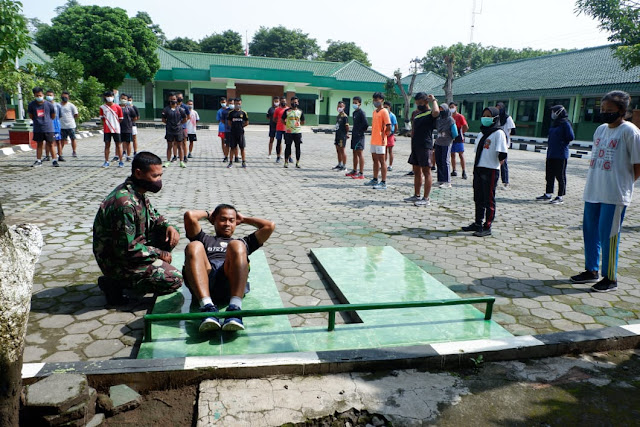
{"x": 425, "y": 82}
{"x": 563, "y": 73}
{"x": 202, "y": 66}
{"x": 33, "y": 55}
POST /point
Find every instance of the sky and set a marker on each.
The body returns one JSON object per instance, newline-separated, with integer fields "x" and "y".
{"x": 390, "y": 33}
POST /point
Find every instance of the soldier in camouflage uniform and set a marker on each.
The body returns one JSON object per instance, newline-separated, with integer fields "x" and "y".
{"x": 132, "y": 242}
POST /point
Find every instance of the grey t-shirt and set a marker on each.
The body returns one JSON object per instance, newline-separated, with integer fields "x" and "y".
{"x": 67, "y": 113}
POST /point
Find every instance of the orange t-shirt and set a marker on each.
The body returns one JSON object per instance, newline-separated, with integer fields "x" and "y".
{"x": 379, "y": 124}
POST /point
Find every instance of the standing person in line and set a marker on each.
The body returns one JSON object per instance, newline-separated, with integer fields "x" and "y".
{"x": 181, "y": 104}
{"x": 560, "y": 135}
{"x": 491, "y": 151}
{"x": 342, "y": 134}
{"x": 360, "y": 125}
{"x": 447, "y": 131}
{"x": 42, "y": 114}
{"x": 126, "y": 126}
{"x": 280, "y": 128}
{"x": 192, "y": 125}
{"x": 237, "y": 120}
{"x": 134, "y": 130}
{"x": 509, "y": 128}
{"x": 57, "y": 136}
{"x": 174, "y": 117}
{"x": 272, "y": 123}
{"x": 380, "y": 129}
{"x": 391, "y": 139}
{"x": 458, "y": 143}
{"x": 613, "y": 170}
{"x": 231, "y": 106}
{"x": 68, "y": 116}
{"x": 221, "y": 117}
{"x": 293, "y": 119}
{"x": 423, "y": 121}
{"x": 111, "y": 115}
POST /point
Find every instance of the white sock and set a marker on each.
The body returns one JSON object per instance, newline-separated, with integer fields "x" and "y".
{"x": 548, "y": 194}
{"x": 237, "y": 301}
{"x": 206, "y": 300}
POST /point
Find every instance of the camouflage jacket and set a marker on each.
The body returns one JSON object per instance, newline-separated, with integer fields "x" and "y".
{"x": 124, "y": 228}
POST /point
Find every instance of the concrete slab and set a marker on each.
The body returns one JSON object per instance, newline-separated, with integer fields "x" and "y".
{"x": 124, "y": 398}
{"x": 56, "y": 393}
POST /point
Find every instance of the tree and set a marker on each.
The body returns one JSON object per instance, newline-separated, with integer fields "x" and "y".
{"x": 14, "y": 39}
{"x": 144, "y": 16}
{"x": 622, "y": 19}
{"x": 229, "y": 43}
{"x": 339, "y": 51}
{"x": 406, "y": 96}
{"x": 280, "y": 42}
{"x": 70, "y": 3}
{"x": 184, "y": 44}
{"x": 106, "y": 41}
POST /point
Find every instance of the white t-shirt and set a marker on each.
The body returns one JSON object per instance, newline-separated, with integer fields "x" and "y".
{"x": 193, "y": 120}
{"x": 610, "y": 176}
{"x": 507, "y": 126}
{"x": 496, "y": 143}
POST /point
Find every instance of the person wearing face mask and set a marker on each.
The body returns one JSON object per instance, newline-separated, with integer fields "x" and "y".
{"x": 613, "y": 170}
{"x": 185, "y": 137}
{"x": 237, "y": 120}
{"x": 391, "y": 139}
{"x": 272, "y": 123}
{"x": 231, "y": 106}
{"x": 68, "y": 116}
{"x": 126, "y": 126}
{"x": 560, "y": 135}
{"x": 57, "y": 137}
{"x": 174, "y": 117}
{"x": 342, "y": 134}
{"x": 111, "y": 115}
{"x": 458, "y": 142}
{"x": 42, "y": 114}
{"x": 380, "y": 129}
{"x": 360, "y": 125}
{"x": 280, "y": 129}
{"x": 132, "y": 242}
{"x": 509, "y": 128}
{"x": 192, "y": 127}
{"x": 134, "y": 129}
{"x": 447, "y": 132}
{"x": 491, "y": 152}
{"x": 221, "y": 117}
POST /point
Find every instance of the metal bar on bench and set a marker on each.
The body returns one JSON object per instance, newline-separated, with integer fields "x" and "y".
{"x": 331, "y": 309}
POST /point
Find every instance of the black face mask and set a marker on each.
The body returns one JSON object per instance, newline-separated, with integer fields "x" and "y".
{"x": 294, "y": 105}
{"x": 282, "y": 104}
{"x": 65, "y": 99}
{"x": 422, "y": 107}
{"x": 153, "y": 186}
{"x": 172, "y": 102}
{"x": 179, "y": 99}
{"x": 610, "y": 117}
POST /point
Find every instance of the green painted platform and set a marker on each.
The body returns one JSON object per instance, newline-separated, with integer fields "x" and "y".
{"x": 359, "y": 275}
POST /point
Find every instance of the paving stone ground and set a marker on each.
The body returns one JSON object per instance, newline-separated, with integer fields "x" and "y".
{"x": 525, "y": 264}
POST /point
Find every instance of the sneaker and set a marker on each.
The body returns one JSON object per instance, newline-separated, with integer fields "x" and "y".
{"x": 74, "y": 154}
{"x": 166, "y": 164}
{"x": 472, "y": 227}
{"x": 61, "y": 159}
{"x": 37, "y": 164}
{"x": 286, "y": 164}
{"x": 233, "y": 323}
{"x": 544, "y": 197}
{"x": 454, "y": 173}
{"x": 342, "y": 168}
{"x": 358, "y": 176}
{"x": 506, "y": 186}
{"x": 336, "y": 167}
{"x": 585, "y": 277}
{"x": 412, "y": 199}
{"x": 557, "y": 201}
{"x": 380, "y": 186}
{"x": 183, "y": 165}
{"x": 225, "y": 160}
{"x": 120, "y": 164}
{"x": 410, "y": 173}
{"x": 269, "y": 156}
{"x": 209, "y": 324}
{"x": 55, "y": 164}
{"x": 278, "y": 159}
{"x": 230, "y": 165}
{"x": 112, "y": 290}
{"x": 422, "y": 202}
{"x": 46, "y": 159}
{"x": 464, "y": 175}
{"x": 352, "y": 173}
{"x": 237, "y": 159}
{"x": 173, "y": 159}
{"x": 190, "y": 156}
{"x": 115, "y": 158}
{"x": 290, "y": 159}
{"x": 297, "y": 165}
{"x": 372, "y": 182}
{"x": 605, "y": 285}
{"x": 105, "y": 165}
{"x": 244, "y": 164}
{"x": 483, "y": 233}
{"x": 389, "y": 168}
{"x": 445, "y": 185}
{"x": 186, "y": 160}
{"x": 129, "y": 158}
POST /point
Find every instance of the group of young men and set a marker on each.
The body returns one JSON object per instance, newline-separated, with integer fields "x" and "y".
{"x": 181, "y": 122}
{"x": 286, "y": 123}
{"x": 119, "y": 126}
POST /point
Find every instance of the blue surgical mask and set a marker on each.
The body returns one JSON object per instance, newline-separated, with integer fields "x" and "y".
{"x": 355, "y": 106}
{"x": 486, "y": 121}
{"x": 39, "y": 98}
{"x": 49, "y": 98}
{"x": 377, "y": 104}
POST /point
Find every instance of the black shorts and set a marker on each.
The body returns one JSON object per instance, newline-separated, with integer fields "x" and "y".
{"x": 126, "y": 137}
{"x": 43, "y": 136}
{"x": 192, "y": 137}
{"x": 357, "y": 142}
{"x": 340, "y": 141}
{"x": 174, "y": 137}
{"x": 68, "y": 133}
{"x": 420, "y": 157}
{"x": 227, "y": 138}
{"x": 237, "y": 140}
{"x": 290, "y": 138}
{"x": 219, "y": 286}
{"x": 272, "y": 131}
{"x": 108, "y": 136}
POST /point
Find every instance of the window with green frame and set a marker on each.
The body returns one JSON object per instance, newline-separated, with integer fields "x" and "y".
{"x": 527, "y": 111}
{"x": 477, "y": 110}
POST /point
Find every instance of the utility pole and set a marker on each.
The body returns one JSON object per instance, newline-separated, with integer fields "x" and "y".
{"x": 473, "y": 18}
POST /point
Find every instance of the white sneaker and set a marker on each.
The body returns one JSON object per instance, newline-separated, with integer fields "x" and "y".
{"x": 445, "y": 185}
{"x": 422, "y": 202}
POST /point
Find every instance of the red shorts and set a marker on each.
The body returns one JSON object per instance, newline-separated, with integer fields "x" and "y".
{"x": 221, "y": 135}
{"x": 391, "y": 140}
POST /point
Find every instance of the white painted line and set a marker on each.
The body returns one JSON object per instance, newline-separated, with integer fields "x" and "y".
{"x": 23, "y": 147}
{"x": 461, "y": 347}
{"x": 6, "y": 151}
{"x": 30, "y": 370}
{"x": 635, "y": 328}
{"x": 248, "y": 362}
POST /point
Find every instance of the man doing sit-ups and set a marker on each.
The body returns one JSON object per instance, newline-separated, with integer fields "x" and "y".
{"x": 217, "y": 267}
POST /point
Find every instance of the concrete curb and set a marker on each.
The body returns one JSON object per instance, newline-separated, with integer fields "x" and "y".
{"x": 190, "y": 370}
{"x": 19, "y": 148}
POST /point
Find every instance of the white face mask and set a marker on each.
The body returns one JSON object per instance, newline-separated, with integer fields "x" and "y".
{"x": 276, "y": 104}
{"x": 340, "y": 109}
{"x": 109, "y": 99}
{"x": 452, "y": 110}
{"x": 223, "y": 105}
